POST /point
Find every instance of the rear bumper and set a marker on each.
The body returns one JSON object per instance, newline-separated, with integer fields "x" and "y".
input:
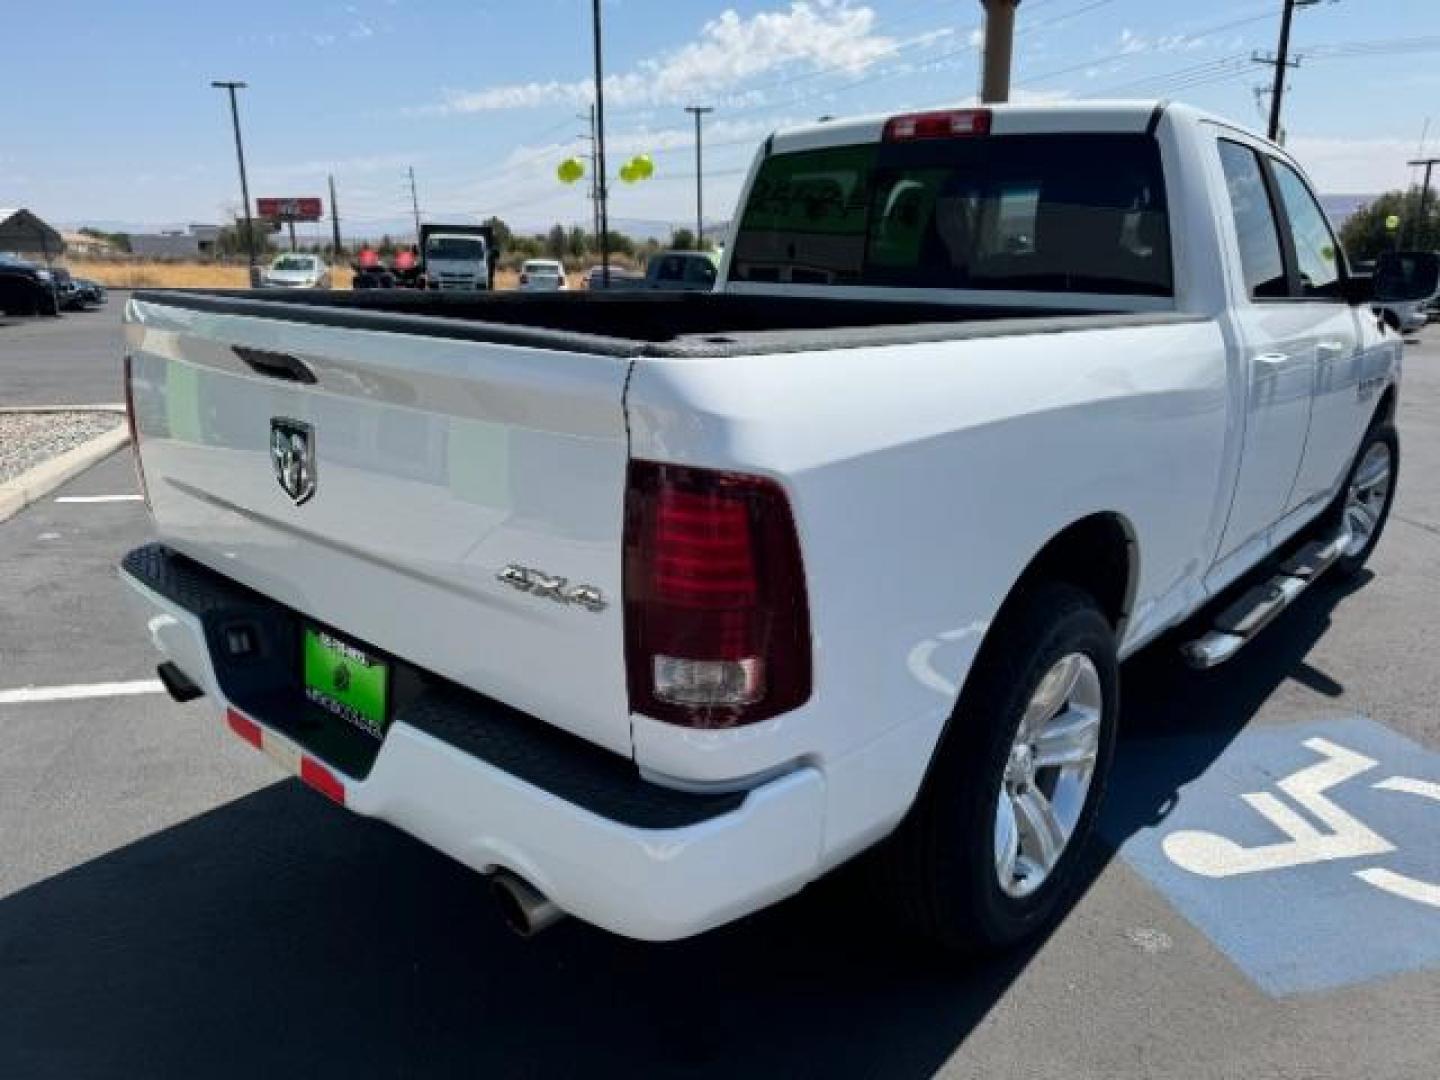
{"x": 494, "y": 789}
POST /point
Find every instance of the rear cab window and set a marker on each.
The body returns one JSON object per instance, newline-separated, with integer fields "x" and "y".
{"x": 1055, "y": 212}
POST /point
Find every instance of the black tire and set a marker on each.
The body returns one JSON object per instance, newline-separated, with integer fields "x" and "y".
{"x": 939, "y": 868}
{"x": 1383, "y": 433}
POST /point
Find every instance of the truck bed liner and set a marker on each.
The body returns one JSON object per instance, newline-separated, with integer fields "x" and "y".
{"x": 653, "y": 324}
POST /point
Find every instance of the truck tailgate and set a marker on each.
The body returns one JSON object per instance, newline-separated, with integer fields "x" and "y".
{"x": 437, "y": 462}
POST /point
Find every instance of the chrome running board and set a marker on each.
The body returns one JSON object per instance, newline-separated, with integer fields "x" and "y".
{"x": 1238, "y": 624}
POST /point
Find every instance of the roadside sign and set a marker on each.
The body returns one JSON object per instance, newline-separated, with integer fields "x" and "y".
{"x": 290, "y": 209}
{"x": 1309, "y": 854}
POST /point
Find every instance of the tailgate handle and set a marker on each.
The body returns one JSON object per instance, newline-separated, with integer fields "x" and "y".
{"x": 275, "y": 365}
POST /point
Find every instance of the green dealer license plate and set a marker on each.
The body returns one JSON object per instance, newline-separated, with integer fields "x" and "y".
{"x": 346, "y": 681}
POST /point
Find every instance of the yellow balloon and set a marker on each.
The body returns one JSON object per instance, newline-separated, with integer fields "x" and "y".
{"x": 627, "y": 173}
{"x": 644, "y": 166}
{"x": 570, "y": 170}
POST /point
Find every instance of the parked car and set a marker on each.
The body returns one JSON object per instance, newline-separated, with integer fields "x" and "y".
{"x": 67, "y": 289}
{"x": 26, "y": 289}
{"x": 673, "y": 603}
{"x": 619, "y": 276}
{"x": 92, "y": 291}
{"x": 672, "y": 271}
{"x": 542, "y": 275}
{"x": 296, "y": 271}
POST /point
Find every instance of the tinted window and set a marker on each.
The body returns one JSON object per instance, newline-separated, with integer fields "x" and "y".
{"x": 699, "y": 271}
{"x": 1255, "y": 226}
{"x": 1317, "y": 255}
{"x": 1053, "y": 213}
{"x": 671, "y": 268}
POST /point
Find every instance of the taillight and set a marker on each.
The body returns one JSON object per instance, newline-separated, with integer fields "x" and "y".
{"x": 717, "y": 626}
{"x": 946, "y": 124}
{"x": 134, "y": 424}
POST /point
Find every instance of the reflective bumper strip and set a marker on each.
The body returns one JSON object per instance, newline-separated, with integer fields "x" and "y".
{"x": 287, "y": 755}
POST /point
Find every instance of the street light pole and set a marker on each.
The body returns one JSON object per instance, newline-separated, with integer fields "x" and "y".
{"x": 601, "y": 187}
{"x": 699, "y": 111}
{"x": 231, "y": 87}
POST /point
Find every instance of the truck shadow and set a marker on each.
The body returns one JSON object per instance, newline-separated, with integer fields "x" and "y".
{"x": 277, "y": 935}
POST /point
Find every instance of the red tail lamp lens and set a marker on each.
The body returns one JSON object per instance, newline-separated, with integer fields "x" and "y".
{"x": 716, "y": 619}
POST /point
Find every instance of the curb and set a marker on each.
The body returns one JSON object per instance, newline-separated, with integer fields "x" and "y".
{"x": 108, "y": 406}
{"x": 34, "y": 484}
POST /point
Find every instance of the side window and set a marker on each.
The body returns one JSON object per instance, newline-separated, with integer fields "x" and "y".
{"x": 1316, "y": 252}
{"x": 671, "y": 269}
{"x": 1255, "y": 226}
{"x": 699, "y": 271}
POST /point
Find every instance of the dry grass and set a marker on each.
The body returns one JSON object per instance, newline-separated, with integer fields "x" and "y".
{"x": 176, "y": 275}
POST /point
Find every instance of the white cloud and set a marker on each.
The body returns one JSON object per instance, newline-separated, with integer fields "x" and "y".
{"x": 809, "y": 34}
{"x": 351, "y": 166}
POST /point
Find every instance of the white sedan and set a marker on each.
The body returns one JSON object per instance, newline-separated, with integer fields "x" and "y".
{"x": 296, "y": 271}
{"x": 543, "y": 275}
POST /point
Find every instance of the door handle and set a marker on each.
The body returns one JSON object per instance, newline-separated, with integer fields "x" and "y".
{"x": 1272, "y": 359}
{"x": 1330, "y": 349}
{"x": 275, "y": 365}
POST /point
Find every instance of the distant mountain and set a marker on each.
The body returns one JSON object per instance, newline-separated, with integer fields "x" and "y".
{"x": 1338, "y": 208}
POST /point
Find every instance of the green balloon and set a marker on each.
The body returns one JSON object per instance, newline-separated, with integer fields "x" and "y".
{"x": 644, "y": 166}
{"x": 627, "y": 173}
{"x": 570, "y": 170}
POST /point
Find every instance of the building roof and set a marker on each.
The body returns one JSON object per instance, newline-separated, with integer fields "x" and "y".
{"x": 22, "y": 231}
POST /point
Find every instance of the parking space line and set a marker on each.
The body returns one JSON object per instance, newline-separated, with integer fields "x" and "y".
{"x": 31, "y": 695}
{"x": 98, "y": 498}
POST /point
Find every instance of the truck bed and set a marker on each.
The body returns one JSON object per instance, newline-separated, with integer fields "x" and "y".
{"x": 653, "y": 324}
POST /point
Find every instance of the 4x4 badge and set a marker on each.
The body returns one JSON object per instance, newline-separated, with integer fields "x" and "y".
{"x": 292, "y": 454}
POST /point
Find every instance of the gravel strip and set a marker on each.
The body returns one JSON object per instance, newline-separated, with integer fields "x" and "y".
{"x": 27, "y": 439}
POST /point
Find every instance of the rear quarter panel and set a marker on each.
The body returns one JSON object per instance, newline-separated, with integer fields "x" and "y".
{"x": 924, "y": 478}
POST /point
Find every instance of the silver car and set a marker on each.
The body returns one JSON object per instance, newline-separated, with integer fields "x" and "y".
{"x": 295, "y": 271}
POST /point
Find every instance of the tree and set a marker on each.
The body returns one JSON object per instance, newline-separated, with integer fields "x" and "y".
{"x": 231, "y": 239}
{"x": 1364, "y": 234}
{"x": 577, "y": 243}
{"x": 118, "y": 240}
{"x": 556, "y": 241}
{"x": 504, "y": 238}
{"x": 682, "y": 240}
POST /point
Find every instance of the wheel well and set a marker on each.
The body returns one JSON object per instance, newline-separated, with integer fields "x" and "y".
{"x": 1098, "y": 554}
{"x": 1385, "y": 411}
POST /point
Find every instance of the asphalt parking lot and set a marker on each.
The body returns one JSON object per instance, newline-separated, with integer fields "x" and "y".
{"x": 170, "y": 906}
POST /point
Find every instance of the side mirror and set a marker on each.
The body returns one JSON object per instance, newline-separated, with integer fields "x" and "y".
{"x": 1359, "y": 289}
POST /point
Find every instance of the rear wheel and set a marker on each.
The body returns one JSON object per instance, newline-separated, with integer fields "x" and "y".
{"x": 1369, "y": 491}
{"x": 991, "y": 852}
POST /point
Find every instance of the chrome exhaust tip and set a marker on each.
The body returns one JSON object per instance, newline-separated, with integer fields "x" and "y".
{"x": 523, "y": 907}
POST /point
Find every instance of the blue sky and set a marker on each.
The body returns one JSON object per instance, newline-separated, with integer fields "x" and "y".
{"x": 482, "y": 96}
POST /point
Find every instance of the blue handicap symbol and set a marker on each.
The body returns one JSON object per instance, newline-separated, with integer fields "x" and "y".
{"x": 1309, "y": 853}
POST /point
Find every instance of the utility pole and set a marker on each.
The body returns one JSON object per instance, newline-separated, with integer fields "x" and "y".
{"x": 1417, "y": 234}
{"x": 999, "y": 44}
{"x": 232, "y": 86}
{"x": 699, "y": 111}
{"x": 414, "y": 203}
{"x": 335, "y": 220}
{"x": 1281, "y": 62}
{"x": 600, "y": 183}
{"x": 589, "y": 119}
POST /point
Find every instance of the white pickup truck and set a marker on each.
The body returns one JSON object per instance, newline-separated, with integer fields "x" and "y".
{"x": 658, "y": 607}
